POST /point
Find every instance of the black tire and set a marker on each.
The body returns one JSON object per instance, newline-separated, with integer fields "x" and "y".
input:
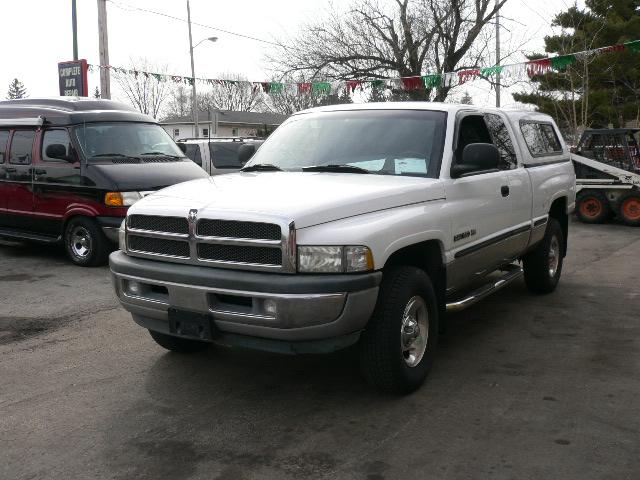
{"x": 90, "y": 252}
{"x": 178, "y": 345}
{"x": 543, "y": 266}
{"x": 382, "y": 356}
{"x": 629, "y": 208}
{"x": 593, "y": 206}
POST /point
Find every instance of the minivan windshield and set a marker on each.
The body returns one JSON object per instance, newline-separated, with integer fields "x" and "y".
{"x": 125, "y": 139}
{"x": 385, "y": 142}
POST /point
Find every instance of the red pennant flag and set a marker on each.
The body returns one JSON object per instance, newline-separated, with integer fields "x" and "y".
{"x": 353, "y": 84}
{"x": 412, "y": 83}
{"x": 466, "y": 75}
{"x": 304, "y": 87}
{"x": 538, "y": 67}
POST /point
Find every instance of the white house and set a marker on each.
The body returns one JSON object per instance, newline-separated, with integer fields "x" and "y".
{"x": 228, "y": 124}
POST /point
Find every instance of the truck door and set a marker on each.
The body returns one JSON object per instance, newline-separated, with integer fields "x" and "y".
{"x": 18, "y": 178}
{"x": 484, "y": 236}
{"x": 4, "y": 184}
{"x": 519, "y": 196}
{"x": 57, "y": 183}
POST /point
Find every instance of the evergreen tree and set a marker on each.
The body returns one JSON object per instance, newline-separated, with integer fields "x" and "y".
{"x": 466, "y": 98}
{"x": 96, "y": 93}
{"x": 16, "y": 90}
{"x": 593, "y": 90}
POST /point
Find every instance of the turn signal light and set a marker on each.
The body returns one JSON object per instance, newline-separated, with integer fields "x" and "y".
{"x": 113, "y": 199}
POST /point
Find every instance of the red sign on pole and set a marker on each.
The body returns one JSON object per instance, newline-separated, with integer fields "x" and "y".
{"x": 72, "y": 77}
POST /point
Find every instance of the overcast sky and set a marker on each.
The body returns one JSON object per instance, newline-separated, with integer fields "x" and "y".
{"x": 36, "y": 35}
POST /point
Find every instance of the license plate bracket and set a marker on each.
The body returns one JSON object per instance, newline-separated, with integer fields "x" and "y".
{"x": 189, "y": 324}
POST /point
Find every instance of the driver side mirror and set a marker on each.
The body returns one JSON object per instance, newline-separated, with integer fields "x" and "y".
{"x": 59, "y": 151}
{"x": 245, "y": 152}
{"x": 476, "y": 158}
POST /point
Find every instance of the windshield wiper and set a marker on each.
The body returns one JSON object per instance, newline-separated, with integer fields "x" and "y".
{"x": 120, "y": 155}
{"x": 335, "y": 168}
{"x": 160, "y": 154}
{"x": 261, "y": 167}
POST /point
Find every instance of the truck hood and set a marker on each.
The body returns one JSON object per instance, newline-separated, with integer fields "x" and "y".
{"x": 307, "y": 198}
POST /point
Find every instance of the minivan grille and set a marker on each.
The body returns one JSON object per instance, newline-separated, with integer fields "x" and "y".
{"x": 234, "y": 253}
{"x": 159, "y": 224}
{"x": 236, "y": 229}
{"x": 159, "y": 246}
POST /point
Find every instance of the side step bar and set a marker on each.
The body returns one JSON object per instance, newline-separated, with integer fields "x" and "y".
{"x": 511, "y": 273}
{"x": 9, "y": 234}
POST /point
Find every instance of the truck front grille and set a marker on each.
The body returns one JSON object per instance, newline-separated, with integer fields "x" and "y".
{"x": 159, "y": 224}
{"x": 233, "y": 253}
{"x": 236, "y": 229}
{"x": 159, "y": 246}
{"x": 237, "y": 244}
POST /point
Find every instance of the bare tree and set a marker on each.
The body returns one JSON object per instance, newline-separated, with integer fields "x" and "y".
{"x": 179, "y": 102}
{"x": 145, "y": 92}
{"x": 235, "y": 93}
{"x": 291, "y": 99}
{"x": 408, "y": 38}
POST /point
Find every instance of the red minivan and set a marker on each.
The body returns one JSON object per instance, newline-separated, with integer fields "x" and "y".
{"x": 70, "y": 167}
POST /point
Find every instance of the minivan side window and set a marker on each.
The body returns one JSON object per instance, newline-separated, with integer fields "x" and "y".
{"x": 21, "y": 147}
{"x": 55, "y": 137}
{"x": 541, "y": 138}
{"x": 4, "y": 138}
{"x": 502, "y": 140}
{"x": 225, "y": 154}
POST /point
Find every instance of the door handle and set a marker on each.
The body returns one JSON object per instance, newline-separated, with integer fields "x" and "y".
{"x": 504, "y": 190}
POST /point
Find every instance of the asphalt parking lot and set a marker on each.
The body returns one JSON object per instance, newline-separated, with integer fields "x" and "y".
{"x": 524, "y": 387}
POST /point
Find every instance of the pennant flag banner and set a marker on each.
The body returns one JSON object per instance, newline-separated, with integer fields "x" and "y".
{"x": 513, "y": 71}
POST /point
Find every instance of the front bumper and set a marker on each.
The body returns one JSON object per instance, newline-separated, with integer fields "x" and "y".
{"x": 307, "y": 309}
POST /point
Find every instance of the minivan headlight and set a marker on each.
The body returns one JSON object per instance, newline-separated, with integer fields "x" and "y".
{"x": 122, "y": 236}
{"x": 334, "y": 259}
{"x": 121, "y": 199}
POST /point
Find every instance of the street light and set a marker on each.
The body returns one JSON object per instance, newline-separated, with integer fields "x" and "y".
{"x": 194, "y": 100}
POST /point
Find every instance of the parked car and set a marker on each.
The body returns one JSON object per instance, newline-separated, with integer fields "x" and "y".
{"x": 353, "y": 223}
{"x": 220, "y": 155}
{"x": 71, "y": 167}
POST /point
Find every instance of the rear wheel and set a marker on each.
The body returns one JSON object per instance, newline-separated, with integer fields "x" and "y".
{"x": 629, "y": 208}
{"x": 592, "y": 206}
{"x": 398, "y": 346}
{"x": 543, "y": 266}
{"x": 85, "y": 243}
{"x": 178, "y": 345}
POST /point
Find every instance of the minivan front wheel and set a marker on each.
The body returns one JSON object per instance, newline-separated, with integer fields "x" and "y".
{"x": 85, "y": 243}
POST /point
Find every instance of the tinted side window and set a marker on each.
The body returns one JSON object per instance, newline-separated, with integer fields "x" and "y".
{"x": 4, "y": 138}
{"x": 225, "y": 154}
{"x": 193, "y": 152}
{"x": 21, "y": 147}
{"x": 533, "y": 138}
{"x": 549, "y": 134}
{"x": 472, "y": 129}
{"x": 52, "y": 137}
{"x": 502, "y": 140}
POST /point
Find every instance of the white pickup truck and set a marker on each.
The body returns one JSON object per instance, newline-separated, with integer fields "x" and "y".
{"x": 352, "y": 223}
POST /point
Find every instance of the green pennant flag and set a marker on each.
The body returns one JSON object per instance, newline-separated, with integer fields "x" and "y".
{"x": 377, "y": 84}
{"x": 276, "y": 87}
{"x": 633, "y": 46}
{"x": 321, "y": 87}
{"x": 157, "y": 76}
{"x": 563, "y": 61}
{"x": 431, "y": 81}
{"x": 487, "y": 72}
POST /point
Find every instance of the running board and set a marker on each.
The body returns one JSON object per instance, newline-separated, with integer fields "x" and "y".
{"x": 511, "y": 273}
{"x": 6, "y": 233}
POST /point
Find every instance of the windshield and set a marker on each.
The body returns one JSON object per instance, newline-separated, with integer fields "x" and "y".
{"x": 386, "y": 142}
{"x": 130, "y": 139}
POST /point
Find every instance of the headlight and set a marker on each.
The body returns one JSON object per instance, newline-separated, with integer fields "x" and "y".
{"x": 121, "y": 199}
{"x": 122, "y": 236}
{"x": 320, "y": 259}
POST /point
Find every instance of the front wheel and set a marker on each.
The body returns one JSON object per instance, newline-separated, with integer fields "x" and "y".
{"x": 543, "y": 266}
{"x": 85, "y": 243}
{"x": 629, "y": 209}
{"x": 398, "y": 345}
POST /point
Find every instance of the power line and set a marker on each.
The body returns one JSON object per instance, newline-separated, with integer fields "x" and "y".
{"x": 125, "y": 6}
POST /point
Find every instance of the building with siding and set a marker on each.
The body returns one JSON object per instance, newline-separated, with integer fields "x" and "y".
{"x": 223, "y": 124}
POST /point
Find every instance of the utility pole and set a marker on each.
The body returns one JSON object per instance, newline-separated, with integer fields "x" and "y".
{"x": 194, "y": 100}
{"x": 103, "y": 46}
{"x": 498, "y": 54}
{"x": 74, "y": 28}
